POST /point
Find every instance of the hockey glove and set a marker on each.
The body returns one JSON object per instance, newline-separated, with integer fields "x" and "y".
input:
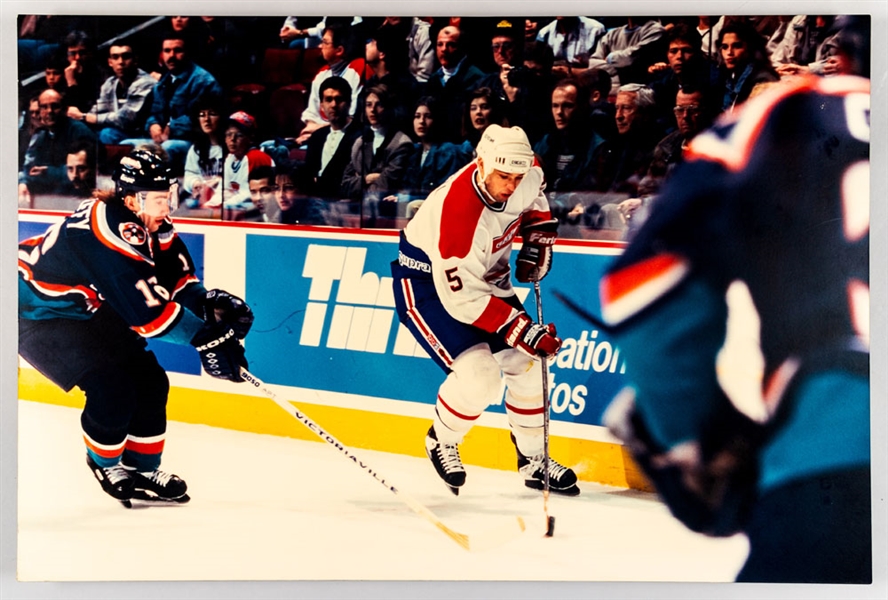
{"x": 531, "y": 338}
{"x": 222, "y": 307}
{"x": 535, "y": 257}
{"x": 709, "y": 485}
{"x": 221, "y": 353}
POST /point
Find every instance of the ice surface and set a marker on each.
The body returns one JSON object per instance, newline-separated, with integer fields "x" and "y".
{"x": 272, "y": 508}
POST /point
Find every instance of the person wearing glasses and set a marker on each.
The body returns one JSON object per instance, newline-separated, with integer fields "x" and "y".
{"x": 120, "y": 110}
{"x": 694, "y": 112}
{"x": 243, "y": 157}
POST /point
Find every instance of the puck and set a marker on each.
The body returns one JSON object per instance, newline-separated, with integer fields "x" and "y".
{"x": 550, "y": 526}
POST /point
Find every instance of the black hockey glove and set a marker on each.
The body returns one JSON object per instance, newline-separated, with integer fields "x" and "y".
{"x": 222, "y": 307}
{"x": 535, "y": 257}
{"x": 709, "y": 485}
{"x": 221, "y": 353}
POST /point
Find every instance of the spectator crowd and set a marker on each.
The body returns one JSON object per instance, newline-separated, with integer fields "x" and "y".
{"x": 352, "y": 121}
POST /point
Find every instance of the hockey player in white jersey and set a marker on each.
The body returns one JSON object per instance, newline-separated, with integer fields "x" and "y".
{"x": 453, "y": 291}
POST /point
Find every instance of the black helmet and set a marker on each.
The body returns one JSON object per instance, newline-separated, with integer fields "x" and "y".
{"x": 142, "y": 171}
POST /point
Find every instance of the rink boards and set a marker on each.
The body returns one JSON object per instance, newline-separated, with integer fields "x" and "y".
{"x": 327, "y": 338}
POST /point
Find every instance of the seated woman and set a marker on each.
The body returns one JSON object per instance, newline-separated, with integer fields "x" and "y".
{"x": 294, "y": 207}
{"x": 433, "y": 161}
{"x": 379, "y": 158}
{"x": 203, "y": 164}
{"x": 482, "y": 109}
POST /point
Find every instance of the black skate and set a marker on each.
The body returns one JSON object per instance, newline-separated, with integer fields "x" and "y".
{"x": 158, "y": 486}
{"x": 116, "y": 481}
{"x": 447, "y": 463}
{"x": 562, "y": 480}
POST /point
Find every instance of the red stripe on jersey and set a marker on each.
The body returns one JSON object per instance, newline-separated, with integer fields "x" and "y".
{"x": 184, "y": 281}
{"x": 58, "y": 289}
{"x": 524, "y": 411}
{"x": 495, "y": 315}
{"x": 143, "y": 447}
{"x": 421, "y": 325}
{"x": 627, "y": 291}
{"x": 160, "y": 324}
{"x": 103, "y": 452}
{"x": 453, "y": 412}
{"x": 459, "y": 217}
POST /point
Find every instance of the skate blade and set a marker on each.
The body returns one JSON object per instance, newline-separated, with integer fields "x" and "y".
{"x": 453, "y": 490}
{"x": 145, "y": 497}
{"x": 573, "y": 490}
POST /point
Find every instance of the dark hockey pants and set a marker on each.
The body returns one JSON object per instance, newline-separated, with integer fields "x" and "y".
{"x": 126, "y": 389}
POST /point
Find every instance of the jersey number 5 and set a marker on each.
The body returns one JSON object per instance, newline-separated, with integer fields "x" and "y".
{"x": 455, "y": 282}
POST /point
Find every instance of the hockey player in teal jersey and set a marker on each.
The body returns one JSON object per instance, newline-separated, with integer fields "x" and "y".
{"x": 92, "y": 288}
{"x": 775, "y": 199}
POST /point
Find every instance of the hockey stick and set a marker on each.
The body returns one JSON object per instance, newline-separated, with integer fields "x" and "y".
{"x": 460, "y": 538}
{"x": 550, "y": 521}
{"x": 583, "y": 313}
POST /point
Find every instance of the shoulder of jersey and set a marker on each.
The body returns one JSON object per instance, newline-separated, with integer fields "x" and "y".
{"x": 118, "y": 229}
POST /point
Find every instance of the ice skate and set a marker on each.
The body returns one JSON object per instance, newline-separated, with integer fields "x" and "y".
{"x": 158, "y": 486}
{"x": 447, "y": 463}
{"x": 116, "y": 480}
{"x": 562, "y": 480}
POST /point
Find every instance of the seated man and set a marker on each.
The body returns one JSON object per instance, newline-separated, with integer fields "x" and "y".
{"x": 623, "y": 160}
{"x": 81, "y": 168}
{"x": 336, "y": 48}
{"x": 329, "y": 148}
{"x": 453, "y": 81}
{"x": 686, "y": 67}
{"x": 626, "y": 52}
{"x": 81, "y": 71}
{"x": 261, "y": 184}
{"x": 573, "y": 40}
{"x": 44, "y": 170}
{"x": 119, "y": 113}
{"x": 566, "y": 152}
{"x": 170, "y": 122}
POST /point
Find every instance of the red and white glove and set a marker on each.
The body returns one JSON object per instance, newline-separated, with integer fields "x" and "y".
{"x": 535, "y": 257}
{"x": 532, "y": 338}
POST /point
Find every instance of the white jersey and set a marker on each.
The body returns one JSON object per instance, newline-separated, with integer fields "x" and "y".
{"x": 467, "y": 241}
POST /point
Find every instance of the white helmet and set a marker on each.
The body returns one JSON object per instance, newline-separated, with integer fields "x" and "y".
{"x": 505, "y": 149}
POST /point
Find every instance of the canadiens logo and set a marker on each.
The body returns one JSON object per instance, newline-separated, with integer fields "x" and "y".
{"x": 133, "y": 234}
{"x": 508, "y": 235}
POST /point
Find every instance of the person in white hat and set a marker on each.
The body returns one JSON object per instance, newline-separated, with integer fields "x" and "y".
{"x": 453, "y": 291}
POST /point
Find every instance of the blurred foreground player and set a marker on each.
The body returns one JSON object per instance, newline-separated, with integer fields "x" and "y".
{"x": 776, "y": 198}
{"x": 91, "y": 289}
{"x": 453, "y": 291}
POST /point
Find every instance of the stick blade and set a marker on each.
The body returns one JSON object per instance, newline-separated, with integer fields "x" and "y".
{"x": 550, "y": 526}
{"x": 494, "y": 537}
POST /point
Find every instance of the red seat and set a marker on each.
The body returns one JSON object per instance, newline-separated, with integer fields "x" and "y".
{"x": 285, "y": 110}
{"x": 280, "y": 66}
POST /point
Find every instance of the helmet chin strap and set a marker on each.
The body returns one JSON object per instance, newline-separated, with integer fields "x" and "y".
{"x": 481, "y": 185}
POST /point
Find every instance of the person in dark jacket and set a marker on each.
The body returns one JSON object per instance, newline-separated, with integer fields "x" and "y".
{"x": 329, "y": 148}
{"x": 379, "y": 158}
{"x": 44, "y": 170}
{"x": 743, "y": 62}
